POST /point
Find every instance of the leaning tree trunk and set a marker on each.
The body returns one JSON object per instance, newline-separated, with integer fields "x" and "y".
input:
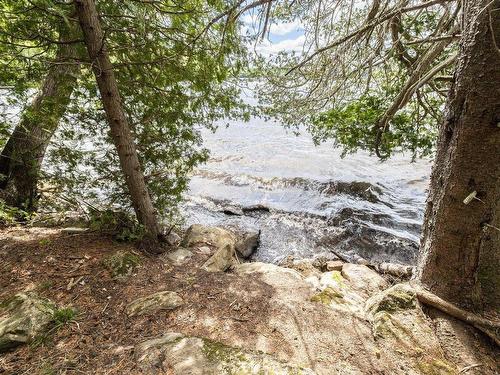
{"x": 120, "y": 130}
{"x": 22, "y": 156}
{"x": 460, "y": 259}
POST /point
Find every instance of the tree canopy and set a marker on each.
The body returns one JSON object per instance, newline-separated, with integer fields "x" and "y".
{"x": 175, "y": 77}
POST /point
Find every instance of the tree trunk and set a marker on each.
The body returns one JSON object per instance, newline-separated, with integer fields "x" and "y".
{"x": 120, "y": 130}
{"x": 460, "y": 258}
{"x": 22, "y": 157}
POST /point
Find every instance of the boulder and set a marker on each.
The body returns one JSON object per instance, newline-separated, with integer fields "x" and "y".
{"x": 222, "y": 259}
{"x": 247, "y": 243}
{"x": 173, "y": 239}
{"x": 271, "y": 274}
{"x": 179, "y": 256}
{"x": 305, "y": 267}
{"x": 164, "y": 300}
{"x": 199, "y": 356}
{"x": 223, "y": 241}
{"x": 23, "y": 318}
{"x": 363, "y": 279}
{"x": 198, "y": 234}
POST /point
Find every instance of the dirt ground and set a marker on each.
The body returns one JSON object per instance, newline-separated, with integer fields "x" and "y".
{"x": 69, "y": 269}
{"x": 100, "y": 339}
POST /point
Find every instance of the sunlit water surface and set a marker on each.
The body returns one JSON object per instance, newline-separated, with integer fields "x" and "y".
{"x": 318, "y": 202}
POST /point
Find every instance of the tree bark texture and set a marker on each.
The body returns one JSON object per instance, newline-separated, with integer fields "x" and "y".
{"x": 22, "y": 156}
{"x": 120, "y": 129}
{"x": 460, "y": 247}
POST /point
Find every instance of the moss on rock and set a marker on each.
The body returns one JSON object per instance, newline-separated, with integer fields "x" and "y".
{"x": 23, "y": 318}
{"x": 398, "y": 297}
{"x": 122, "y": 263}
{"x": 328, "y": 296}
{"x": 436, "y": 367}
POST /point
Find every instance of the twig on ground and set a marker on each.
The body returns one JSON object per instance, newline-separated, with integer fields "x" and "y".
{"x": 467, "y": 368}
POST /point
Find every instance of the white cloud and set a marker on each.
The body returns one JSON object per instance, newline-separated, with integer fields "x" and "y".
{"x": 283, "y": 28}
{"x": 287, "y": 45}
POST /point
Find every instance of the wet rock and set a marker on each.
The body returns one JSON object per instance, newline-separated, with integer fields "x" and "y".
{"x": 122, "y": 263}
{"x": 363, "y": 278}
{"x": 23, "y": 318}
{"x": 359, "y": 189}
{"x": 164, "y": 300}
{"x": 233, "y": 211}
{"x": 180, "y": 256}
{"x": 334, "y": 265}
{"x": 199, "y": 356}
{"x": 247, "y": 243}
{"x": 259, "y": 208}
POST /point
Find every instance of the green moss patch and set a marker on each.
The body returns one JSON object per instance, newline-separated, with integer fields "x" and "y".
{"x": 436, "y": 367}
{"x": 121, "y": 263}
{"x": 217, "y": 352}
{"x": 328, "y": 296}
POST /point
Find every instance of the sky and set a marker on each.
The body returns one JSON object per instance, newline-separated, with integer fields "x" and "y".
{"x": 282, "y": 36}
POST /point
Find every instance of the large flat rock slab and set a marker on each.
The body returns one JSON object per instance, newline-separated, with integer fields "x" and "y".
{"x": 181, "y": 354}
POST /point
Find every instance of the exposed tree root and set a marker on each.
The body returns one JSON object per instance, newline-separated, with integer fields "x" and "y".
{"x": 488, "y": 327}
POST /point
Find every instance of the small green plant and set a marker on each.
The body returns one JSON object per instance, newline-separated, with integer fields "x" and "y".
{"x": 44, "y": 242}
{"x": 45, "y": 285}
{"x": 63, "y": 316}
{"x": 60, "y": 317}
{"x": 11, "y": 215}
{"x": 119, "y": 224}
{"x": 47, "y": 369}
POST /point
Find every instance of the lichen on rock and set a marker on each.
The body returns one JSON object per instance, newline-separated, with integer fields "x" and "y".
{"x": 399, "y": 297}
{"x": 201, "y": 356}
{"x": 165, "y": 300}
{"x": 23, "y": 318}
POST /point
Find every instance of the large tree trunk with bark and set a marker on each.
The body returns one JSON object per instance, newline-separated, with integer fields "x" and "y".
{"x": 22, "y": 157}
{"x": 120, "y": 129}
{"x": 460, "y": 259}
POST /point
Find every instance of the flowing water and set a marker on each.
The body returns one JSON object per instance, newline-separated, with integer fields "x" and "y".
{"x": 307, "y": 200}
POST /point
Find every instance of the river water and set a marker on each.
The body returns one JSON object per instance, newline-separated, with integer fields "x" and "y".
{"x": 306, "y": 199}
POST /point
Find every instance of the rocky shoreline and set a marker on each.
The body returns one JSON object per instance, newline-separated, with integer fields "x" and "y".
{"x": 223, "y": 316}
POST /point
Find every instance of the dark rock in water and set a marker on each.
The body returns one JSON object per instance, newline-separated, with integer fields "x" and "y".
{"x": 256, "y": 208}
{"x": 233, "y": 211}
{"x": 247, "y": 240}
{"x": 359, "y": 189}
{"x": 247, "y": 245}
{"x": 23, "y": 318}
